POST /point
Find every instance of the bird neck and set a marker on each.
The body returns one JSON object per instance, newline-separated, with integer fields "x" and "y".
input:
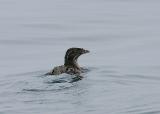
{"x": 72, "y": 63}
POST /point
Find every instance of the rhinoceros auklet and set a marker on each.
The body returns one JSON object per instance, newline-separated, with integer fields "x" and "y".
{"x": 70, "y": 63}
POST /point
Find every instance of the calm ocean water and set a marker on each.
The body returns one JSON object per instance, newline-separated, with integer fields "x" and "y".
{"x": 123, "y": 38}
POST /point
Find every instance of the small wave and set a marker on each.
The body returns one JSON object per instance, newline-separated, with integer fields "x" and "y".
{"x": 59, "y": 88}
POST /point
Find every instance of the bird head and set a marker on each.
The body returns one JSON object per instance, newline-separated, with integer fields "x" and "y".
{"x": 72, "y": 55}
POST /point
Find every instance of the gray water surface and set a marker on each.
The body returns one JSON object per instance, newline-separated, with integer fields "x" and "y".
{"x": 124, "y": 41}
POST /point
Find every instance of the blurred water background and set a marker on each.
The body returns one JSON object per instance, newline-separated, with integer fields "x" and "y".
{"x": 122, "y": 35}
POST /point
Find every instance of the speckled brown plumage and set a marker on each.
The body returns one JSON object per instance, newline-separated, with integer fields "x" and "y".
{"x": 70, "y": 63}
